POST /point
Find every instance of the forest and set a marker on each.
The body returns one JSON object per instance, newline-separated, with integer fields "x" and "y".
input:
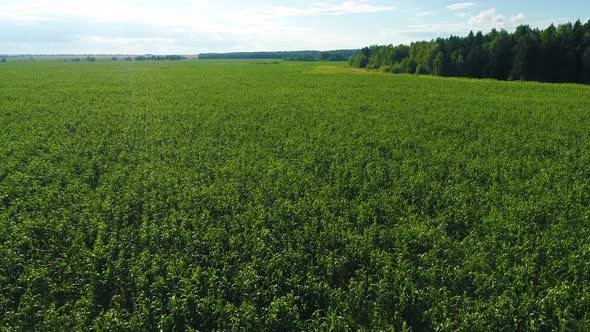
{"x": 556, "y": 54}
{"x": 335, "y": 55}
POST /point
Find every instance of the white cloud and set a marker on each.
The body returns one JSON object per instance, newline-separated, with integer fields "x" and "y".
{"x": 461, "y": 5}
{"x": 198, "y": 16}
{"x": 483, "y": 21}
{"x": 519, "y": 18}
{"x": 187, "y": 25}
{"x": 487, "y": 19}
{"x": 192, "y": 26}
{"x": 347, "y": 7}
{"x": 437, "y": 28}
{"x": 136, "y": 11}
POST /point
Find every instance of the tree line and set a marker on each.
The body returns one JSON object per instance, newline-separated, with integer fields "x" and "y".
{"x": 555, "y": 54}
{"x": 128, "y": 58}
{"x": 158, "y": 57}
{"x": 88, "y": 58}
{"x": 335, "y": 55}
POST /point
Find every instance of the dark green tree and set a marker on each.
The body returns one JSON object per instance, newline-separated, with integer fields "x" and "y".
{"x": 579, "y": 50}
{"x": 524, "y": 66}
{"x": 555, "y": 54}
{"x": 501, "y": 56}
{"x": 361, "y": 60}
{"x": 550, "y": 55}
{"x": 586, "y": 65}
{"x": 476, "y": 61}
{"x": 440, "y": 65}
{"x": 458, "y": 63}
{"x": 567, "y": 62}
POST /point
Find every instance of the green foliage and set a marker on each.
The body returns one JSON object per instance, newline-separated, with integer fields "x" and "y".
{"x": 440, "y": 65}
{"x": 335, "y": 55}
{"x": 550, "y": 55}
{"x": 386, "y": 56}
{"x": 224, "y": 195}
{"x": 360, "y": 61}
{"x": 422, "y": 70}
{"x": 586, "y": 64}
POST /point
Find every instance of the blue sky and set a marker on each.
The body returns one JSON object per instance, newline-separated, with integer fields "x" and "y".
{"x": 191, "y": 27}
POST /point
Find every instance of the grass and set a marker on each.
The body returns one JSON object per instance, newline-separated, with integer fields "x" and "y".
{"x": 225, "y": 195}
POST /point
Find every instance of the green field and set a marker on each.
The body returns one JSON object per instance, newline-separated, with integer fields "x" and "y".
{"x": 233, "y": 195}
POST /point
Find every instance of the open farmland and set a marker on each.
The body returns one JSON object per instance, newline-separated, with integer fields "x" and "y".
{"x": 231, "y": 195}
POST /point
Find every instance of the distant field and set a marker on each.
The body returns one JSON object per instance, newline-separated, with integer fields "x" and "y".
{"x": 230, "y": 195}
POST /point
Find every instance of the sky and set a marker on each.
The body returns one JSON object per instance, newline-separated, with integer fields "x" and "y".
{"x": 197, "y": 26}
